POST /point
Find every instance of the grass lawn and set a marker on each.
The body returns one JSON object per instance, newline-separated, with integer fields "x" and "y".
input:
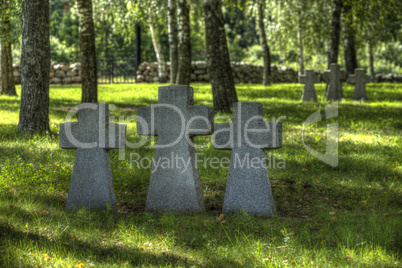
{"x": 349, "y": 216}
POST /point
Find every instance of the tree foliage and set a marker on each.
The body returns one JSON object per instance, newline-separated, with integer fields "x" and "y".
{"x": 375, "y": 20}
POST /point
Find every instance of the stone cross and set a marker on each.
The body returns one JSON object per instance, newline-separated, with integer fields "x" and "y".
{"x": 175, "y": 184}
{"x": 309, "y": 79}
{"x": 248, "y": 187}
{"x": 360, "y": 80}
{"x": 92, "y": 136}
{"x": 333, "y": 79}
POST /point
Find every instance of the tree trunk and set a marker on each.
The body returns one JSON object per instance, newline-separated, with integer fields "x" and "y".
{"x": 335, "y": 31}
{"x": 220, "y": 71}
{"x": 157, "y": 47}
{"x": 35, "y": 67}
{"x": 300, "y": 42}
{"x": 7, "y": 77}
{"x": 106, "y": 41}
{"x": 7, "y": 86}
{"x": 137, "y": 48}
{"x": 184, "y": 69}
{"x": 349, "y": 41}
{"x": 371, "y": 60}
{"x": 266, "y": 80}
{"x": 88, "y": 52}
{"x": 174, "y": 54}
{"x": 327, "y": 50}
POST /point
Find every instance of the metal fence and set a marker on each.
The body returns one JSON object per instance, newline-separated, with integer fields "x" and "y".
{"x": 116, "y": 70}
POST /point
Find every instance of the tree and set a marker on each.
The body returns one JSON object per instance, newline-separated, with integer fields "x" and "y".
{"x": 150, "y": 13}
{"x": 115, "y": 30}
{"x": 263, "y": 41}
{"x": 371, "y": 60}
{"x": 300, "y": 43}
{"x": 220, "y": 71}
{"x": 173, "y": 48}
{"x": 335, "y": 32}
{"x": 379, "y": 22}
{"x": 88, "y": 52}
{"x": 298, "y": 9}
{"x": 349, "y": 40}
{"x": 184, "y": 70}
{"x": 302, "y": 38}
{"x": 35, "y": 67}
{"x": 7, "y": 86}
{"x": 157, "y": 46}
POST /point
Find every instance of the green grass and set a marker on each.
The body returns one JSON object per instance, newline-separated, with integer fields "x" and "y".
{"x": 348, "y": 216}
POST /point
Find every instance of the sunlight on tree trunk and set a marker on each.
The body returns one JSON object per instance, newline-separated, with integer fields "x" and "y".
{"x": 88, "y": 52}
{"x": 35, "y": 67}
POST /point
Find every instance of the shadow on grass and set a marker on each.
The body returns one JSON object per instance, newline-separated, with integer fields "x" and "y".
{"x": 100, "y": 254}
{"x": 188, "y": 231}
{"x": 35, "y": 241}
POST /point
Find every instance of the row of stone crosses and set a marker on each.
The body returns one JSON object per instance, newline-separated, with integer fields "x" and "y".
{"x": 175, "y": 189}
{"x": 333, "y": 78}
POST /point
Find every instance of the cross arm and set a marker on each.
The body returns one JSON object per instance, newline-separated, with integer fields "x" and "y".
{"x": 68, "y": 134}
{"x": 201, "y": 121}
{"x": 367, "y": 79}
{"x": 268, "y": 135}
{"x": 223, "y": 136}
{"x": 343, "y": 75}
{"x": 302, "y": 79}
{"x": 146, "y": 121}
{"x": 326, "y": 76}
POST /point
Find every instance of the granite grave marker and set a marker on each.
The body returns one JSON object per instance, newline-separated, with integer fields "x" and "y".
{"x": 91, "y": 185}
{"x": 309, "y": 79}
{"x": 175, "y": 184}
{"x": 248, "y": 187}
{"x": 360, "y": 80}
{"x": 333, "y": 79}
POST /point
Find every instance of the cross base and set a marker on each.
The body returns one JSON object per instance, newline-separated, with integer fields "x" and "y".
{"x": 309, "y": 94}
{"x": 248, "y": 189}
{"x": 334, "y": 91}
{"x": 91, "y": 185}
{"x": 175, "y": 188}
{"x": 360, "y": 94}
